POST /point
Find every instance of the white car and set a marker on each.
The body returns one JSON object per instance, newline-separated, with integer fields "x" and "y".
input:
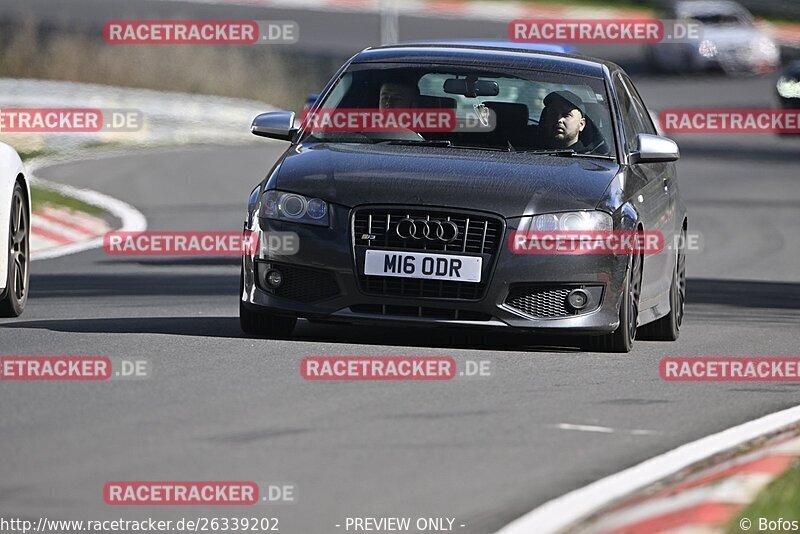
{"x": 15, "y": 231}
{"x": 730, "y": 40}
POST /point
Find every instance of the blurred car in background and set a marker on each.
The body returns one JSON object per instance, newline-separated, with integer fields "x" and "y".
{"x": 788, "y": 87}
{"x": 730, "y": 40}
{"x": 15, "y": 216}
{"x": 310, "y": 101}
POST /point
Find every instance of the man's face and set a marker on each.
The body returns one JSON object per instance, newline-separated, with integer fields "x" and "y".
{"x": 562, "y": 123}
{"x": 395, "y": 95}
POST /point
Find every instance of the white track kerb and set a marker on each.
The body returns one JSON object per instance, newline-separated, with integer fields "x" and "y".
{"x": 131, "y": 219}
{"x": 561, "y": 513}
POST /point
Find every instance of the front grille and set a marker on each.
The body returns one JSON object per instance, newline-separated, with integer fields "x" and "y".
{"x": 421, "y": 311}
{"x": 419, "y": 288}
{"x": 548, "y": 301}
{"x": 303, "y": 284}
{"x": 478, "y": 234}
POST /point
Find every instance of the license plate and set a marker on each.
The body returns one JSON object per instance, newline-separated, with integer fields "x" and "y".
{"x": 422, "y": 265}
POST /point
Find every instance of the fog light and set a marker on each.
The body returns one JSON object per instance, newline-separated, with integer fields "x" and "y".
{"x": 577, "y": 299}
{"x": 274, "y": 278}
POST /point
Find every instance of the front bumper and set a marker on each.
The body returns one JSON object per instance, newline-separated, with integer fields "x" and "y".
{"x": 326, "y": 260}
{"x": 738, "y": 60}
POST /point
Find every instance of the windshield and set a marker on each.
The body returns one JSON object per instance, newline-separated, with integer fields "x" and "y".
{"x": 511, "y": 110}
{"x": 720, "y": 19}
{"x": 719, "y": 16}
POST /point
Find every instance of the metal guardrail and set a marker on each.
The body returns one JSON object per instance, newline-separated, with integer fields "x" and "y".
{"x": 168, "y": 118}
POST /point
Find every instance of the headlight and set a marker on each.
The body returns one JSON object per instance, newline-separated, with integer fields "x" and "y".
{"x": 788, "y": 88}
{"x": 293, "y": 207}
{"x": 572, "y": 221}
{"x": 707, "y": 49}
{"x": 766, "y": 47}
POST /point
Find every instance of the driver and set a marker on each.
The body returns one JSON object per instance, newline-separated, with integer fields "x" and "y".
{"x": 563, "y": 119}
{"x": 395, "y": 95}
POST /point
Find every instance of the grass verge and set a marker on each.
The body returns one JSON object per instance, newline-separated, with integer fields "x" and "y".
{"x": 780, "y": 499}
{"x": 30, "y": 154}
{"x": 41, "y": 196}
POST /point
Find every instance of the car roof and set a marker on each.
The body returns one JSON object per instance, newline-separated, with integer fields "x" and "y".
{"x": 710, "y": 6}
{"x": 500, "y": 55}
{"x": 497, "y": 43}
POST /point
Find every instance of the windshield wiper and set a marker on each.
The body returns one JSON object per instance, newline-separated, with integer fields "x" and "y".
{"x": 420, "y": 142}
{"x": 439, "y": 142}
{"x": 566, "y": 153}
{"x": 342, "y": 140}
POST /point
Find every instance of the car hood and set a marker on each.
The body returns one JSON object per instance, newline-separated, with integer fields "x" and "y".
{"x": 508, "y": 184}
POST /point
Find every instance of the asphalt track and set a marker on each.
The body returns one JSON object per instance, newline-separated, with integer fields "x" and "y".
{"x": 220, "y": 406}
{"x": 338, "y": 34}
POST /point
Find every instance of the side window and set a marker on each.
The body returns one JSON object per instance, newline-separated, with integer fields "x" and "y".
{"x": 644, "y": 117}
{"x": 339, "y": 92}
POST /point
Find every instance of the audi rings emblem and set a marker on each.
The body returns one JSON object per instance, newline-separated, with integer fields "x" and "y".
{"x": 432, "y": 230}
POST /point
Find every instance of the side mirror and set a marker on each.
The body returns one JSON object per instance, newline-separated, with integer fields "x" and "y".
{"x": 275, "y": 125}
{"x": 654, "y": 149}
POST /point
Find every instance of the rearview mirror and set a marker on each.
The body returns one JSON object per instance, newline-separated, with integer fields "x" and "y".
{"x": 654, "y": 149}
{"x": 275, "y": 125}
{"x": 471, "y": 87}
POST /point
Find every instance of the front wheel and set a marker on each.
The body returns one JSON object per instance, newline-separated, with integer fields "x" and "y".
{"x": 621, "y": 340}
{"x": 265, "y": 325}
{"x": 12, "y": 302}
{"x": 668, "y": 328}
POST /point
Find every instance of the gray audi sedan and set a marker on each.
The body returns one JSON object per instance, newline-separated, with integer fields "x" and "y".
{"x": 435, "y": 184}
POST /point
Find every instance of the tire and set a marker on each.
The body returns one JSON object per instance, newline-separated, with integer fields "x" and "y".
{"x": 668, "y": 328}
{"x": 265, "y": 324}
{"x": 12, "y": 301}
{"x": 261, "y": 324}
{"x": 621, "y": 340}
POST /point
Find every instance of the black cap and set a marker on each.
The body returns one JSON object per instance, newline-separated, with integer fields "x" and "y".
{"x": 570, "y": 98}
